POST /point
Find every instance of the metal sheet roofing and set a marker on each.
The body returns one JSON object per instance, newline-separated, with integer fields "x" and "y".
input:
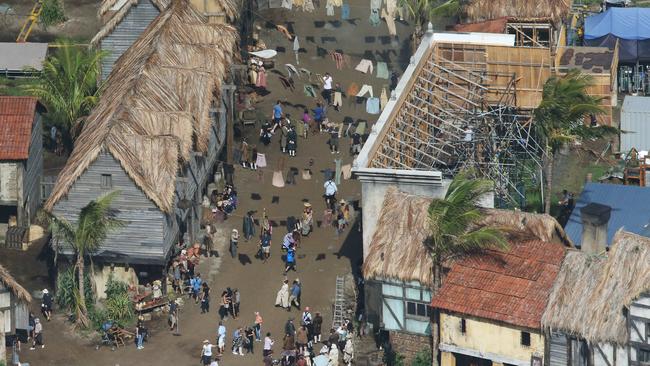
{"x": 629, "y": 209}
{"x": 16, "y": 118}
{"x": 17, "y": 56}
{"x": 635, "y": 104}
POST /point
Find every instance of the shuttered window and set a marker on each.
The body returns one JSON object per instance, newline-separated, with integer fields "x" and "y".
{"x": 106, "y": 181}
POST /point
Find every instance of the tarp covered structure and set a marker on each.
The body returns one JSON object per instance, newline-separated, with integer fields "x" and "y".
{"x": 630, "y": 26}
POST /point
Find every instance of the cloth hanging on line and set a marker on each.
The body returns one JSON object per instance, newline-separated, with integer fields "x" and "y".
{"x": 308, "y": 6}
{"x": 382, "y": 70}
{"x": 261, "y": 160}
{"x": 261, "y": 78}
{"x": 291, "y": 70}
{"x": 365, "y": 66}
{"x": 391, "y": 7}
{"x": 287, "y": 4}
{"x": 365, "y": 89}
{"x": 347, "y": 171}
{"x": 329, "y": 9}
{"x": 339, "y": 58}
{"x": 298, "y": 3}
{"x": 390, "y": 22}
{"x": 278, "y": 179}
{"x": 296, "y": 44}
{"x": 345, "y": 11}
{"x": 306, "y": 174}
{"x": 374, "y": 17}
{"x": 337, "y": 173}
{"x": 375, "y": 4}
{"x": 372, "y": 106}
{"x": 309, "y": 91}
{"x": 338, "y": 101}
{"x": 383, "y": 98}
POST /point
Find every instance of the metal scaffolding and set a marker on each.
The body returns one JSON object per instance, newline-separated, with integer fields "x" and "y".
{"x": 458, "y": 116}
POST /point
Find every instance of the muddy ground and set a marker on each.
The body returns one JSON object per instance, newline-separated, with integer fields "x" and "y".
{"x": 323, "y": 255}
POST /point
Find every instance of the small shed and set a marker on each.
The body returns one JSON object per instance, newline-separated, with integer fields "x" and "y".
{"x": 635, "y": 123}
{"x": 14, "y": 304}
{"x": 21, "y": 59}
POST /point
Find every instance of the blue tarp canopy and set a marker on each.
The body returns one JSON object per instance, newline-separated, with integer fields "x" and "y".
{"x": 630, "y": 26}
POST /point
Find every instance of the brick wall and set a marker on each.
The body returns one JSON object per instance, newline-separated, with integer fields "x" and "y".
{"x": 409, "y": 345}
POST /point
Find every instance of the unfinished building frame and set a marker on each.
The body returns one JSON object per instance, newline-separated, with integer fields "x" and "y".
{"x": 468, "y": 106}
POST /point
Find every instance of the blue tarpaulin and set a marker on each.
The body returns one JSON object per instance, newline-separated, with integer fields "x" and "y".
{"x": 630, "y": 26}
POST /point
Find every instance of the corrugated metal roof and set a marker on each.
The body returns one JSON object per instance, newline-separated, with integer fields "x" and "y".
{"x": 17, "y": 56}
{"x": 635, "y": 124}
{"x": 629, "y": 209}
{"x": 635, "y": 104}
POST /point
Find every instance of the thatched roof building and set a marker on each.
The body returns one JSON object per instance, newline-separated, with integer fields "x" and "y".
{"x": 591, "y": 292}
{"x": 481, "y": 10}
{"x": 10, "y": 283}
{"x": 113, "y": 17}
{"x": 155, "y": 108}
{"x": 398, "y": 250}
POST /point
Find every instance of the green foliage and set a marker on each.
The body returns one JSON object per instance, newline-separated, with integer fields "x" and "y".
{"x": 451, "y": 220}
{"x": 67, "y": 294}
{"x": 15, "y": 87}
{"x": 422, "y": 358}
{"x": 424, "y": 11}
{"x": 565, "y": 104}
{"x": 68, "y": 86}
{"x": 52, "y": 13}
{"x": 118, "y": 305}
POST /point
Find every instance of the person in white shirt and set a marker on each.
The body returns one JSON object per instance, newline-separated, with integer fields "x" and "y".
{"x": 330, "y": 193}
{"x": 206, "y": 353}
{"x": 327, "y": 87}
{"x": 268, "y": 344}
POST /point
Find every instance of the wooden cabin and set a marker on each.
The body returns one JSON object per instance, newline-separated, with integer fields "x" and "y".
{"x": 398, "y": 266}
{"x": 155, "y": 137}
{"x": 21, "y": 158}
{"x": 14, "y": 307}
{"x": 491, "y": 303}
{"x": 125, "y": 20}
{"x": 598, "y": 313}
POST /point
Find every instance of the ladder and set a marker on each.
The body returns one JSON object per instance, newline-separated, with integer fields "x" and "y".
{"x": 30, "y": 21}
{"x": 339, "y": 301}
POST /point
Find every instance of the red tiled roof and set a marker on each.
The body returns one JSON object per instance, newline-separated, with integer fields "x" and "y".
{"x": 489, "y": 26}
{"x": 511, "y": 287}
{"x": 16, "y": 118}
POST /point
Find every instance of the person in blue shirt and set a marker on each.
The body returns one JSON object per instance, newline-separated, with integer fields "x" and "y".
{"x": 319, "y": 115}
{"x": 196, "y": 283}
{"x": 277, "y": 114}
{"x": 295, "y": 295}
{"x": 291, "y": 260}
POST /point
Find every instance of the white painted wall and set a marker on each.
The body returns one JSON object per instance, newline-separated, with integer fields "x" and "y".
{"x": 8, "y": 191}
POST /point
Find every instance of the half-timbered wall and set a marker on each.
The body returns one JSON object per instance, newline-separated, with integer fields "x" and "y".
{"x": 639, "y": 331}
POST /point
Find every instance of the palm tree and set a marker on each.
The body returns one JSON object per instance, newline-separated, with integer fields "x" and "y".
{"x": 68, "y": 86}
{"x": 560, "y": 118}
{"x": 453, "y": 222}
{"x": 96, "y": 220}
{"x": 425, "y": 10}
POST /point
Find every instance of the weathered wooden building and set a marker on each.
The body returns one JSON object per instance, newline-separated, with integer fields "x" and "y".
{"x": 398, "y": 267}
{"x": 125, "y": 20}
{"x": 598, "y": 313}
{"x": 14, "y": 307}
{"x": 155, "y": 136}
{"x": 21, "y": 157}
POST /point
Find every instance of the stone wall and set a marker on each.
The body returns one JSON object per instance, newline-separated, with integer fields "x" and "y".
{"x": 408, "y": 344}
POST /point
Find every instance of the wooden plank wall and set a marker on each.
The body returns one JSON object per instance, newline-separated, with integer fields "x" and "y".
{"x": 33, "y": 171}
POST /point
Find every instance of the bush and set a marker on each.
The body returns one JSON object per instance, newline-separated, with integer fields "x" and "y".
{"x": 67, "y": 293}
{"x": 119, "y": 307}
{"x": 422, "y": 358}
{"x": 52, "y": 13}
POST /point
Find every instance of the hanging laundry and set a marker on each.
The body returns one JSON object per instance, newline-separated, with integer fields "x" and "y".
{"x": 329, "y": 9}
{"x": 390, "y": 22}
{"x": 372, "y": 106}
{"x": 291, "y": 70}
{"x": 345, "y": 12}
{"x": 365, "y": 66}
{"x": 309, "y": 6}
{"x": 365, "y": 89}
{"x": 391, "y": 7}
{"x": 299, "y": 3}
{"x": 383, "y": 98}
{"x": 287, "y": 4}
{"x": 296, "y": 44}
{"x": 375, "y": 4}
{"x": 337, "y": 173}
{"x": 309, "y": 91}
{"x": 382, "y": 70}
{"x": 374, "y": 17}
{"x": 261, "y": 78}
{"x": 261, "y": 160}
{"x": 278, "y": 180}
{"x": 347, "y": 171}
{"x": 339, "y": 58}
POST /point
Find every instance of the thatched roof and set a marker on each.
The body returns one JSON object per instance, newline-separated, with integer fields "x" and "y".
{"x": 229, "y": 8}
{"x": 590, "y": 292}
{"x": 398, "y": 251}
{"x": 8, "y": 280}
{"x": 481, "y": 10}
{"x": 154, "y": 110}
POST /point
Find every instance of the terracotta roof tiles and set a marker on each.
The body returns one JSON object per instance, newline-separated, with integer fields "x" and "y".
{"x": 510, "y": 287}
{"x": 16, "y": 118}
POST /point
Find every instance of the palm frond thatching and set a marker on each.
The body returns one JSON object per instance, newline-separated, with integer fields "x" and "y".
{"x": 480, "y": 10}
{"x": 8, "y": 280}
{"x": 155, "y": 108}
{"x": 591, "y": 292}
{"x": 398, "y": 249}
{"x": 228, "y": 7}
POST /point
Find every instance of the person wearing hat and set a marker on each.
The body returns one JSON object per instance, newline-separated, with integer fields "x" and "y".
{"x": 234, "y": 238}
{"x": 307, "y": 219}
{"x": 46, "y": 305}
{"x": 307, "y": 322}
{"x": 317, "y": 324}
{"x": 206, "y": 352}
